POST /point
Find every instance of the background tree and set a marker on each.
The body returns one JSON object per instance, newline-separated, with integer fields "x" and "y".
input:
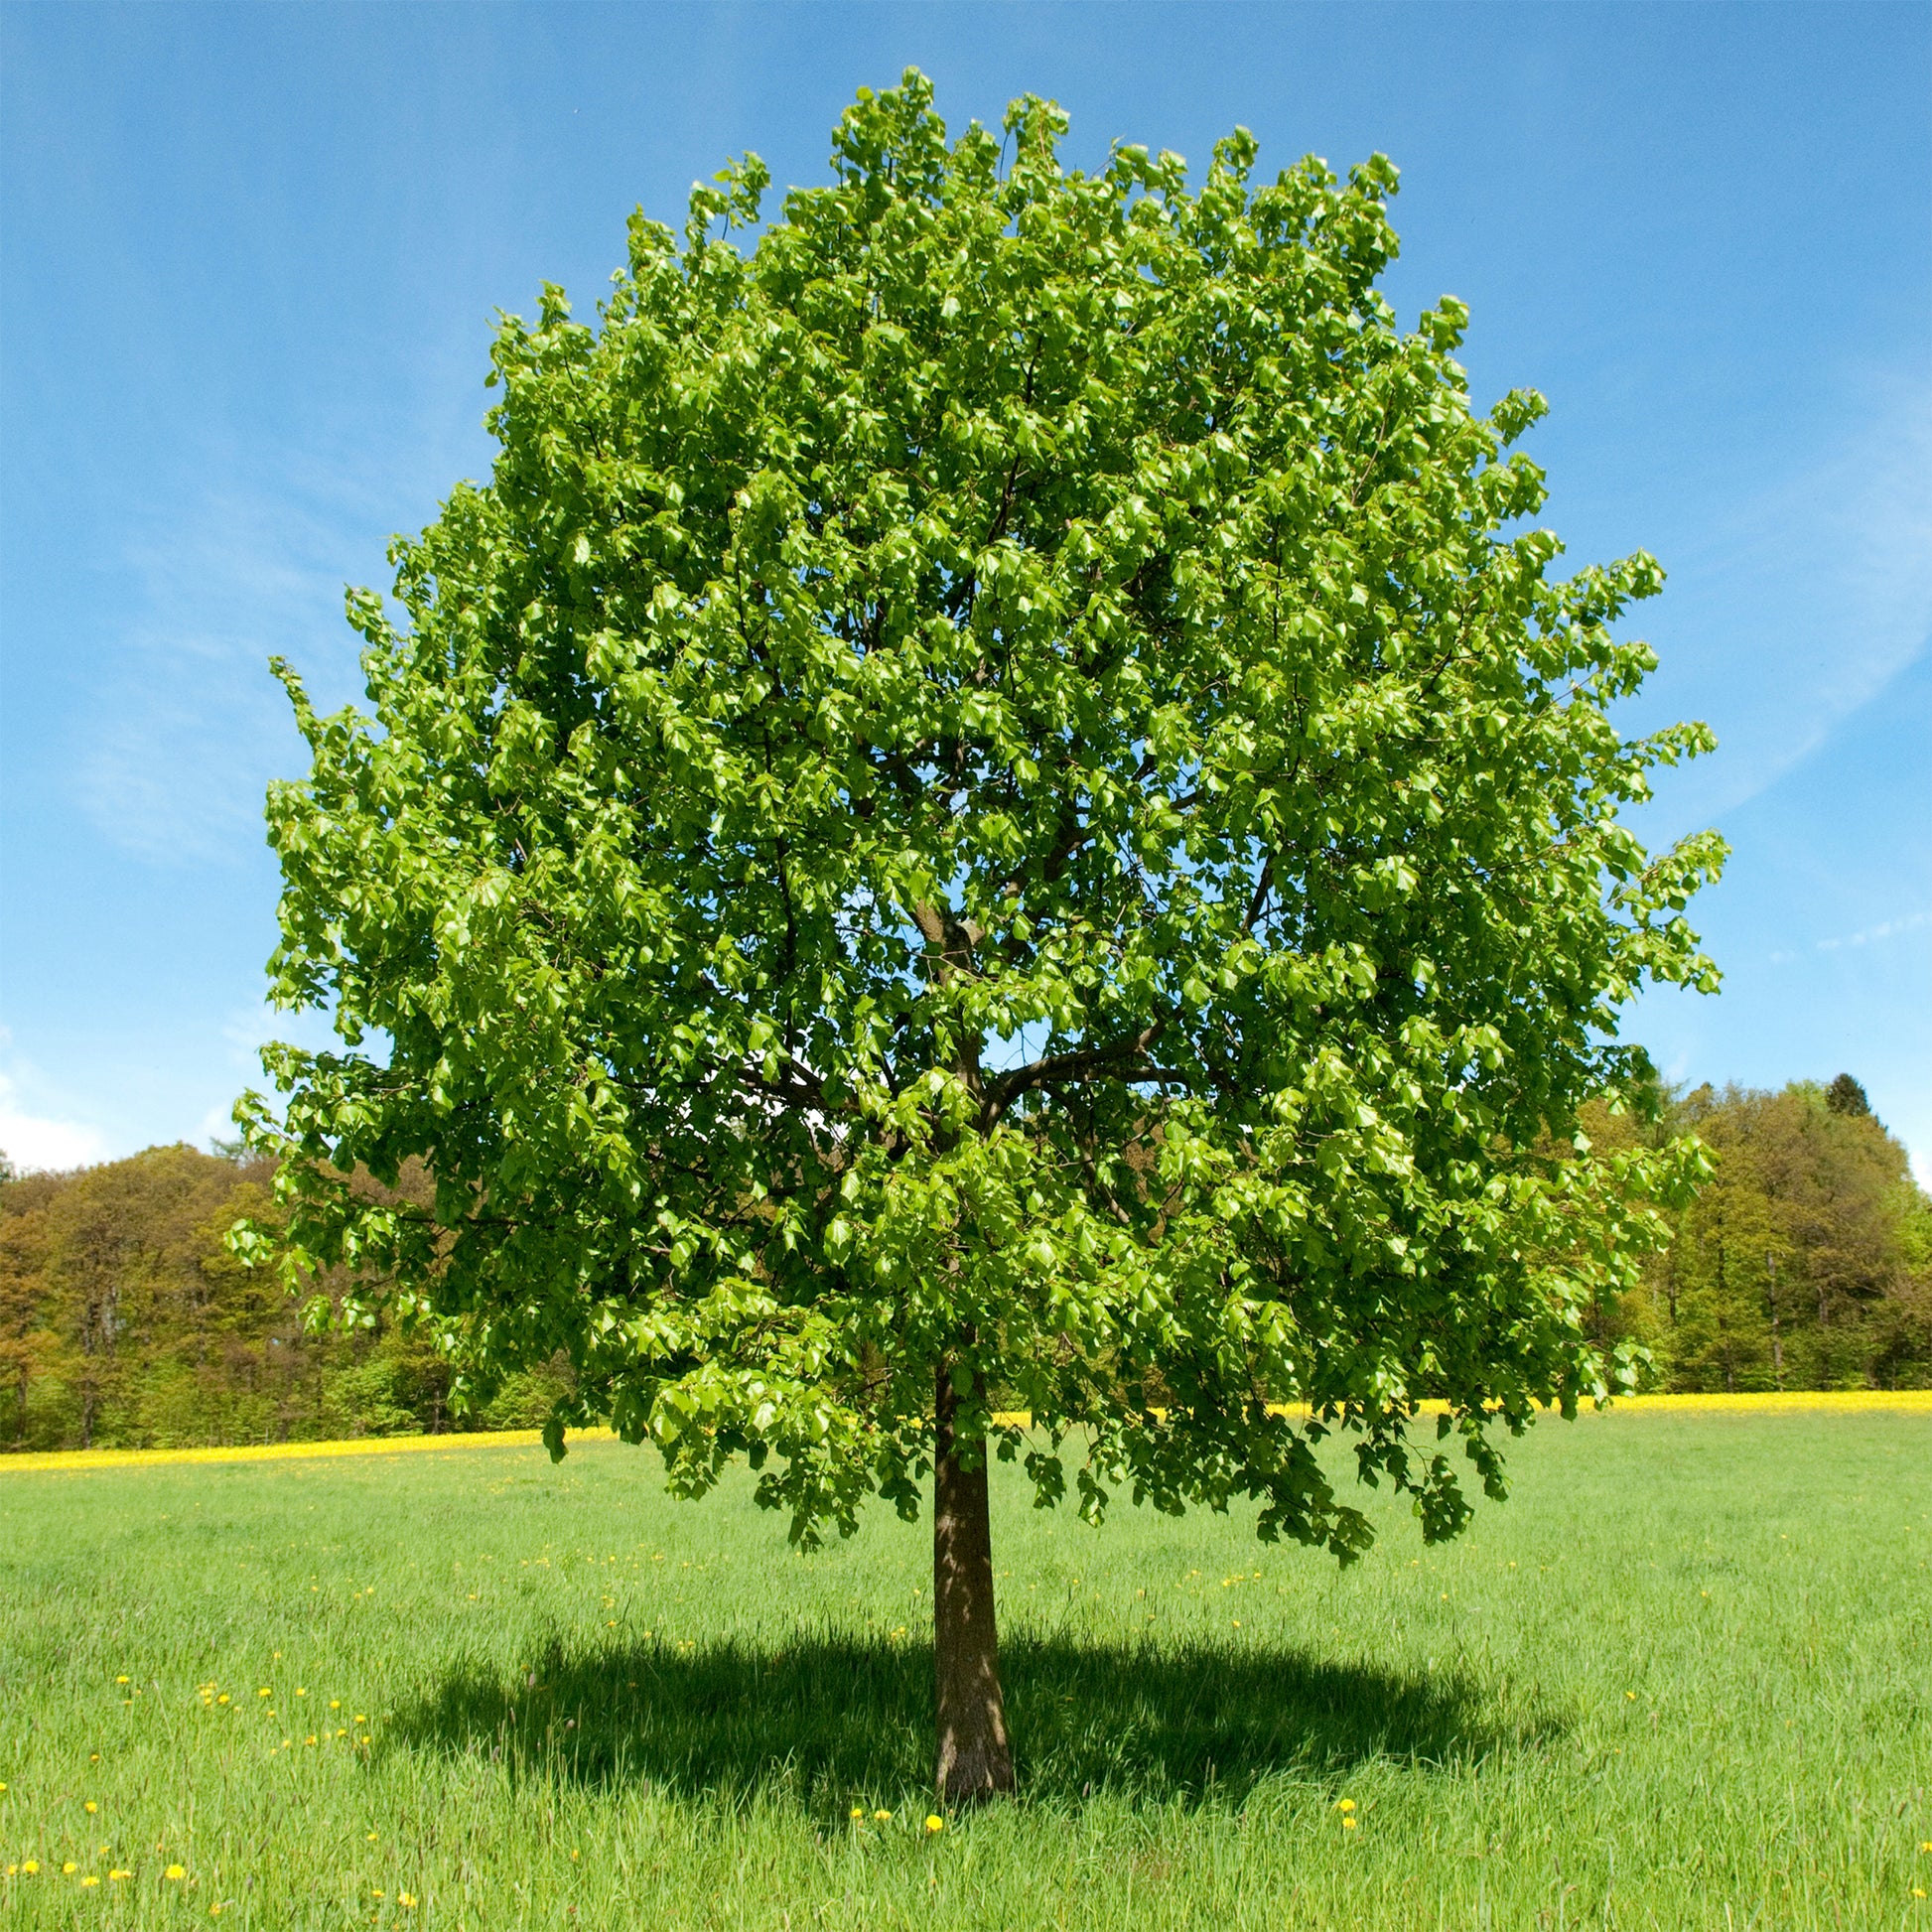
{"x": 982, "y": 807}
{"x": 30, "y": 1345}
{"x": 1810, "y": 1223}
{"x": 125, "y": 1322}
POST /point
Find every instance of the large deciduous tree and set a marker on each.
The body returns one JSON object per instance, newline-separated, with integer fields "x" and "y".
{"x": 983, "y": 814}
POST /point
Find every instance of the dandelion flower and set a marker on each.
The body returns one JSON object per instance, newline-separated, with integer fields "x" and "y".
{"x": 264, "y": 1692}
{"x": 122, "y": 1679}
{"x": 881, "y": 1818}
{"x": 372, "y": 1838}
{"x": 120, "y": 1872}
{"x": 858, "y": 1811}
{"x": 69, "y": 1865}
{"x": 1345, "y": 1804}
{"x": 175, "y": 1872}
{"x": 406, "y": 1899}
{"x": 91, "y": 1806}
{"x": 335, "y": 1703}
{"x": 91, "y": 1879}
{"x": 30, "y": 1866}
{"x": 222, "y": 1698}
{"x": 934, "y": 1823}
{"x": 1348, "y": 1823}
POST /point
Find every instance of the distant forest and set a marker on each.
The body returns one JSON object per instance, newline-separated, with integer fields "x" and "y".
{"x": 1805, "y": 1263}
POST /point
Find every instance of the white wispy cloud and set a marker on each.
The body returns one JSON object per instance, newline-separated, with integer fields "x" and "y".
{"x": 35, "y": 1140}
{"x": 1869, "y": 935}
{"x": 190, "y": 726}
{"x": 1803, "y": 602}
{"x": 1872, "y": 934}
{"x": 250, "y": 563}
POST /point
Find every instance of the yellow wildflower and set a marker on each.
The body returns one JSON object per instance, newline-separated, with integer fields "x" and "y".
{"x": 1348, "y": 1823}
{"x": 122, "y": 1679}
{"x": 90, "y": 1879}
{"x": 30, "y": 1866}
{"x": 120, "y": 1872}
{"x": 881, "y": 1816}
{"x": 175, "y": 1872}
{"x": 934, "y": 1823}
{"x": 1345, "y": 1804}
{"x": 91, "y": 1806}
{"x": 69, "y": 1865}
{"x": 264, "y": 1692}
{"x": 407, "y": 1900}
{"x": 858, "y": 1811}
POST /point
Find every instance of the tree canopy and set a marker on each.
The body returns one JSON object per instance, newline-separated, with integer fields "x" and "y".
{"x": 1806, "y": 1259}
{"x": 996, "y": 806}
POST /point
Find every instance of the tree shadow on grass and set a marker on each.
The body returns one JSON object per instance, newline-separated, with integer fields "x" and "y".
{"x": 827, "y": 1719}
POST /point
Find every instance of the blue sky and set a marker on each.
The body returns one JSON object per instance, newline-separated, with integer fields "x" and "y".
{"x": 251, "y": 258}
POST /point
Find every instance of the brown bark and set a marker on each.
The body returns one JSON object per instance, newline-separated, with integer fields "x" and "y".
{"x": 975, "y": 1761}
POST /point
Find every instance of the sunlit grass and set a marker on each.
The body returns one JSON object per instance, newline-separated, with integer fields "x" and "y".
{"x": 1683, "y": 1678}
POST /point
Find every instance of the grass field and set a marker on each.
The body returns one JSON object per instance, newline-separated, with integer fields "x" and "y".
{"x": 1683, "y": 1677}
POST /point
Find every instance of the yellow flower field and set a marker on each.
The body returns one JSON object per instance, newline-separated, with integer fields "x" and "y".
{"x": 1913, "y": 1402}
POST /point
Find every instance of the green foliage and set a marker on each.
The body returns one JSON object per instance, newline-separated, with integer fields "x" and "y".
{"x": 539, "y": 1763}
{"x": 1804, "y": 1263}
{"x": 126, "y": 1322}
{"x": 985, "y": 788}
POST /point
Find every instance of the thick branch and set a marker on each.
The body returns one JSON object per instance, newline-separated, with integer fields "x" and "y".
{"x": 1056, "y": 1069}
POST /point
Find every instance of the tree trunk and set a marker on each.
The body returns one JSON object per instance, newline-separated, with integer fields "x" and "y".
{"x": 975, "y": 1759}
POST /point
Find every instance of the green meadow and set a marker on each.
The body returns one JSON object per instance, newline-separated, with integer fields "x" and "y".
{"x": 1683, "y": 1677}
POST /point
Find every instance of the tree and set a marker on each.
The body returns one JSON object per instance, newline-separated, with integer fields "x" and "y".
{"x": 1847, "y": 1096}
{"x": 1799, "y": 1254}
{"x": 981, "y": 812}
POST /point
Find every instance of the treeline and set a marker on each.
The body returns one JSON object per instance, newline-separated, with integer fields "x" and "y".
{"x": 1804, "y": 1263}
{"x": 125, "y": 1323}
